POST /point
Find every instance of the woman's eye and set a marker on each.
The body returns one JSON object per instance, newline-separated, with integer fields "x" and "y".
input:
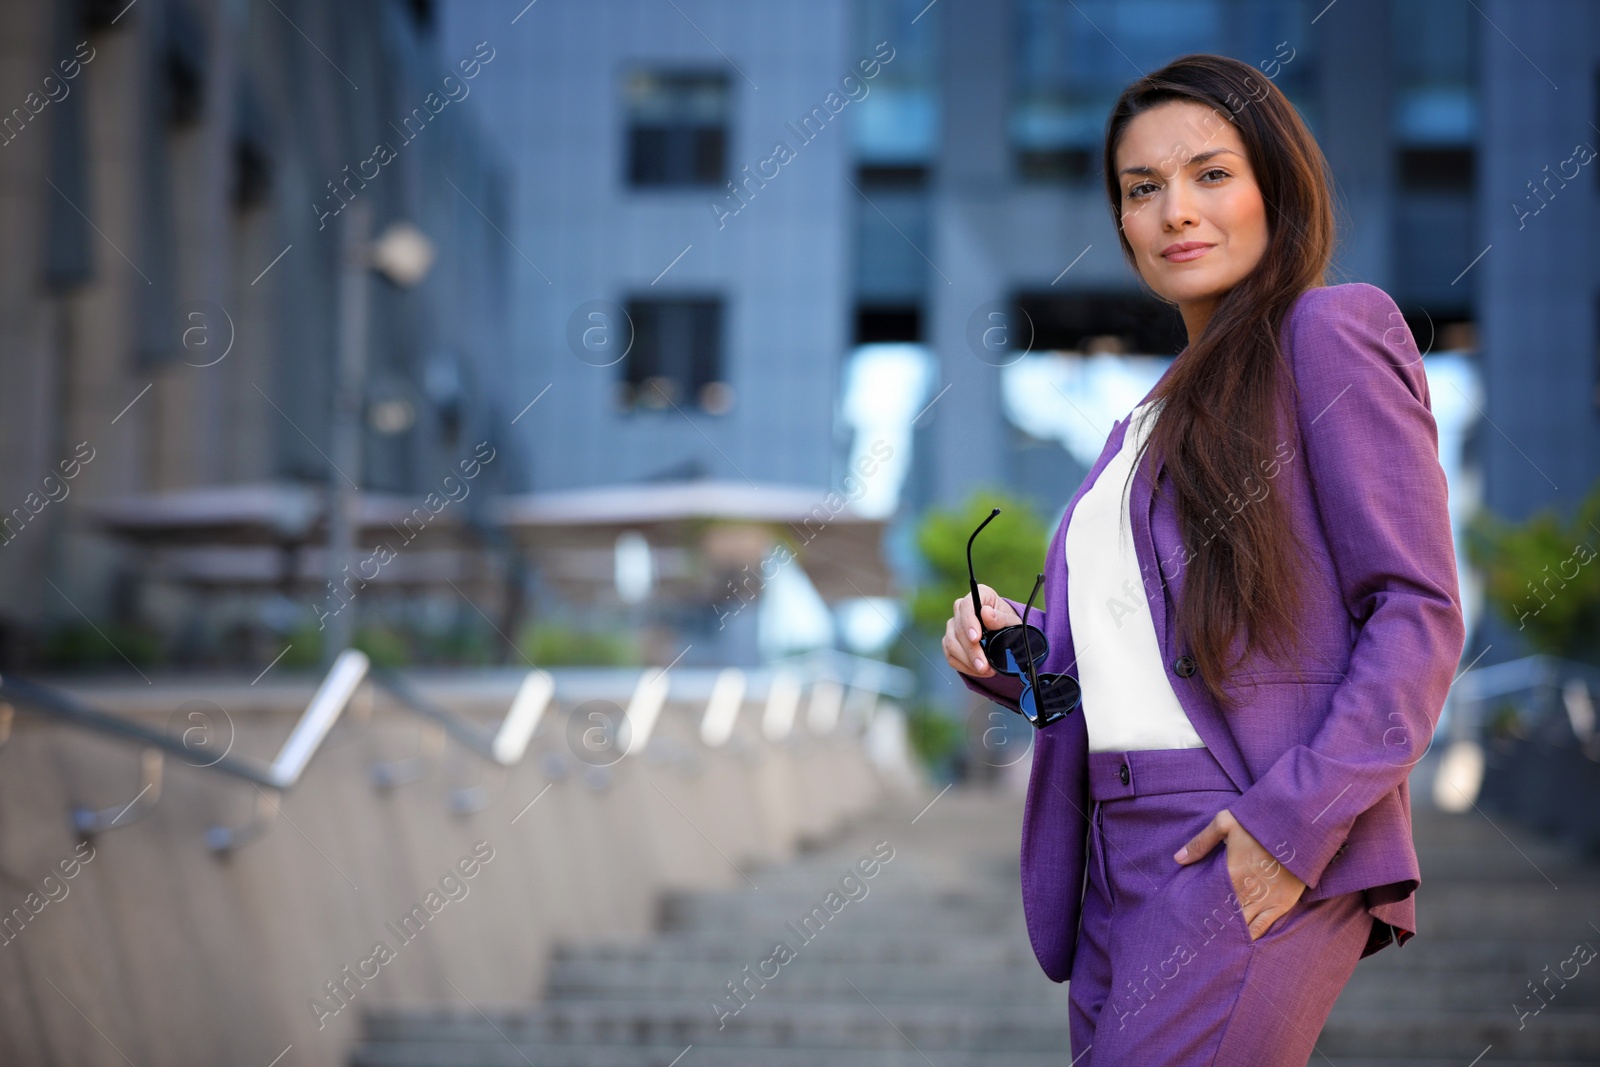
{"x": 1139, "y": 191}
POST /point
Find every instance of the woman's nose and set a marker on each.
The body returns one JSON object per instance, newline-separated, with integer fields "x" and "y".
{"x": 1177, "y": 207}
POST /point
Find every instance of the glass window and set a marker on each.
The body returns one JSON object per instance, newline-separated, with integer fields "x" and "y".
{"x": 677, "y": 128}
{"x": 893, "y": 231}
{"x": 1434, "y": 120}
{"x": 1075, "y": 58}
{"x": 1434, "y": 103}
{"x": 676, "y": 357}
{"x": 897, "y": 122}
{"x": 1072, "y": 61}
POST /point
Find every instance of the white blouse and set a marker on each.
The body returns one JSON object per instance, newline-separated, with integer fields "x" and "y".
{"x": 1128, "y": 702}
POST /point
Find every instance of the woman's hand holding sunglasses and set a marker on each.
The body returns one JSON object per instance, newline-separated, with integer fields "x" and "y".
{"x": 962, "y": 631}
{"x": 1001, "y": 642}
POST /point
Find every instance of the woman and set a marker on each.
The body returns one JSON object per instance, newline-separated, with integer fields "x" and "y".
{"x": 1262, "y": 613}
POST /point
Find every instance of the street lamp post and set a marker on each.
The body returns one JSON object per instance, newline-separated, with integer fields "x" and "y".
{"x": 402, "y": 254}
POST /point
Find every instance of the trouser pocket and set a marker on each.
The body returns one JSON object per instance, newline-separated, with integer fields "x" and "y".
{"x": 1203, "y": 895}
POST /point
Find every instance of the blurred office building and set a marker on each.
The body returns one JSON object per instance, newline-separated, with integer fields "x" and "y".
{"x": 731, "y": 289}
{"x": 771, "y": 236}
{"x": 181, "y": 186}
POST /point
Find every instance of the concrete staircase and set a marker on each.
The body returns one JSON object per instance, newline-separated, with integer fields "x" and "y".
{"x": 932, "y": 961}
{"x": 932, "y": 965}
{"x": 1498, "y": 905}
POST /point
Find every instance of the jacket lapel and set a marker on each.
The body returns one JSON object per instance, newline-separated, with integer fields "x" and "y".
{"x": 1155, "y": 527}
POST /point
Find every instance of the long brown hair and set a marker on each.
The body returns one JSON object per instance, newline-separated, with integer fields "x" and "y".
{"x": 1218, "y": 426}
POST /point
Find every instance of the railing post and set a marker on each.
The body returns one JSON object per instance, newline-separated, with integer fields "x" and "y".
{"x": 88, "y": 821}
{"x": 783, "y": 697}
{"x": 722, "y": 707}
{"x": 327, "y": 703}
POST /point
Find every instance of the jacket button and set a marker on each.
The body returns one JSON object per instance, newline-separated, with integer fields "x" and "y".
{"x": 1185, "y": 666}
{"x": 1122, "y": 773}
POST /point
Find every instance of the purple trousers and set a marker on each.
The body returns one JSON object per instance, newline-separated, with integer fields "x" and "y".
{"x": 1165, "y": 973}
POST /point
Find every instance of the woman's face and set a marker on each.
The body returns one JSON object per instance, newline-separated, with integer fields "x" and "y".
{"x": 1185, "y": 180}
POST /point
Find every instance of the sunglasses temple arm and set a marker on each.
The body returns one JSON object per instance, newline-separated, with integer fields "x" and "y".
{"x": 1028, "y": 607}
{"x": 972, "y": 578}
{"x": 1027, "y": 648}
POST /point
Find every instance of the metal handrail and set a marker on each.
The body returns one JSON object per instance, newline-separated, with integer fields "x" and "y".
{"x": 1512, "y": 676}
{"x": 1567, "y": 683}
{"x": 505, "y": 747}
{"x": 875, "y": 675}
{"x": 507, "y": 744}
{"x": 866, "y": 677}
{"x": 722, "y": 707}
{"x": 329, "y": 701}
{"x": 408, "y": 696}
{"x": 644, "y": 708}
{"x": 1518, "y": 675}
{"x": 58, "y": 705}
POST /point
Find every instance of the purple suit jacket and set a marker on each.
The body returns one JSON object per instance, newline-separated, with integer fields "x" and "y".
{"x": 1319, "y": 748}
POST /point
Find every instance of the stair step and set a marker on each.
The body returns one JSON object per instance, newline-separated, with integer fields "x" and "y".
{"x": 1458, "y": 910}
{"x": 1489, "y": 1060}
{"x": 1513, "y": 956}
{"x": 503, "y": 1054}
{"x": 1464, "y": 991}
{"x": 1551, "y": 1035}
{"x": 831, "y": 1024}
{"x": 610, "y": 979}
{"x": 807, "y": 913}
{"x": 868, "y": 946}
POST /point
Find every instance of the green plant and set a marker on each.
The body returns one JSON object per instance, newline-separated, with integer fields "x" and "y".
{"x": 1007, "y": 557}
{"x": 384, "y": 645}
{"x": 935, "y": 737}
{"x": 396, "y": 645}
{"x": 549, "y": 644}
{"x": 83, "y": 644}
{"x": 459, "y": 645}
{"x": 1505, "y": 721}
{"x": 1541, "y": 576}
{"x": 304, "y": 648}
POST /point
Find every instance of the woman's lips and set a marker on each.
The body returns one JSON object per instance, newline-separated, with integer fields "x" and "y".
{"x": 1187, "y": 254}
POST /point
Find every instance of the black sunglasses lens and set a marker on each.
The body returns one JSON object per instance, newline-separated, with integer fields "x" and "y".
{"x": 1059, "y": 695}
{"x": 1017, "y": 640}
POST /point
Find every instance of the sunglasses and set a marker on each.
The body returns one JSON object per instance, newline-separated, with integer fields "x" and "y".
{"x": 1015, "y": 651}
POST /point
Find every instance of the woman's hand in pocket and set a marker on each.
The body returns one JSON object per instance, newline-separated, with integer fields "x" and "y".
{"x": 1270, "y": 888}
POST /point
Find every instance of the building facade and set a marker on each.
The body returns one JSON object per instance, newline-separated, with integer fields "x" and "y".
{"x": 683, "y": 189}
{"x": 174, "y": 175}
